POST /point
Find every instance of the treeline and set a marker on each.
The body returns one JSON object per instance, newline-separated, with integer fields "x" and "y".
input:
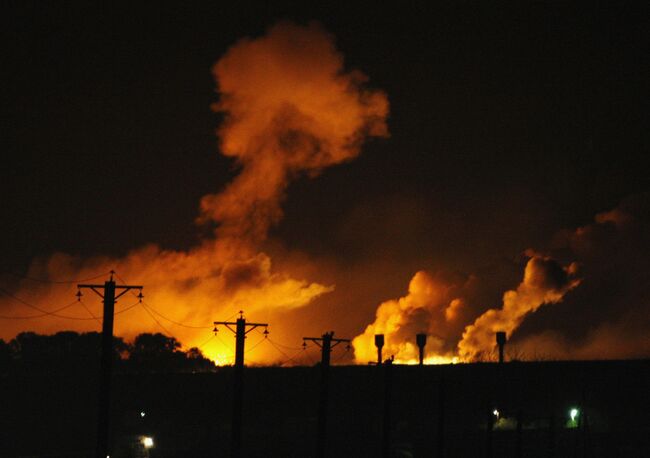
{"x": 72, "y": 351}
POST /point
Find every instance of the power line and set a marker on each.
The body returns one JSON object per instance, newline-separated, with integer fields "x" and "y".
{"x": 29, "y": 317}
{"x": 205, "y": 343}
{"x": 288, "y": 358}
{"x": 146, "y": 309}
{"x": 152, "y": 309}
{"x": 254, "y": 346}
{"x": 177, "y": 323}
{"x": 89, "y": 312}
{"x": 43, "y": 312}
{"x": 225, "y": 345}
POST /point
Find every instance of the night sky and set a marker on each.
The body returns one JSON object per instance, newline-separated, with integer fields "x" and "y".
{"x": 510, "y": 125}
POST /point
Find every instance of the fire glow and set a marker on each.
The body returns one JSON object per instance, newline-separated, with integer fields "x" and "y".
{"x": 290, "y": 109}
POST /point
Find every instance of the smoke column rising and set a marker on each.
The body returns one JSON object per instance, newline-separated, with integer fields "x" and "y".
{"x": 545, "y": 282}
{"x": 289, "y": 109}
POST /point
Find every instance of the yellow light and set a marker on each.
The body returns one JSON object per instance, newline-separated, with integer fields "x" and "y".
{"x": 147, "y": 442}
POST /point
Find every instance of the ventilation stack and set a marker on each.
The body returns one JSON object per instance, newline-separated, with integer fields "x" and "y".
{"x": 421, "y": 340}
{"x": 379, "y": 343}
{"x": 501, "y": 342}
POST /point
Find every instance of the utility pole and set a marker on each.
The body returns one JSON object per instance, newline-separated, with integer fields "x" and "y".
{"x": 241, "y": 329}
{"x": 327, "y": 342}
{"x": 109, "y": 298}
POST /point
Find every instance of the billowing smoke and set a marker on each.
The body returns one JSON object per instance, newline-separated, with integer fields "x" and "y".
{"x": 545, "y": 282}
{"x": 431, "y": 307}
{"x": 289, "y": 108}
{"x": 441, "y": 307}
{"x": 609, "y": 314}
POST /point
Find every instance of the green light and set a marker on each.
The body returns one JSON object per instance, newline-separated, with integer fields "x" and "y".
{"x": 574, "y": 415}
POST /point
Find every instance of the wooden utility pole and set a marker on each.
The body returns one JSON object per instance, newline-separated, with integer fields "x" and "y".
{"x": 327, "y": 342}
{"x": 109, "y": 298}
{"x": 241, "y": 329}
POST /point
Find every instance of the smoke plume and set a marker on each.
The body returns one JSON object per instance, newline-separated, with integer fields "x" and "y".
{"x": 432, "y": 306}
{"x": 545, "y": 282}
{"x": 289, "y": 109}
{"x": 609, "y": 314}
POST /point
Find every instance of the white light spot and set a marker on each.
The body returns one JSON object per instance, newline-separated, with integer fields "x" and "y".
{"x": 147, "y": 442}
{"x": 142, "y": 414}
{"x": 573, "y": 413}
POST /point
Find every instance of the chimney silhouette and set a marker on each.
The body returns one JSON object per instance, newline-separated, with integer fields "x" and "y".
{"x": 501, "y": 342}
{"x": 379, "y": 343}
{"x": 421, "y": 340}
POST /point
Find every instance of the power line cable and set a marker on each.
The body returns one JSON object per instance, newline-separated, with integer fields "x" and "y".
{"x": 152, "y": 309}
{"x": 287, "y": 347}
{"x": 174, "y": 321}
{"x": 288, "y": 358}
{"x": 205, "y": 343}
{"x": 225, "y": 344}
{"x": 89, "y": 312}
{"x": 43, "y": 312}
{"x": 29, "y": 317}
{"x": 167, "y": 331}
{"x": 254, "y": 346}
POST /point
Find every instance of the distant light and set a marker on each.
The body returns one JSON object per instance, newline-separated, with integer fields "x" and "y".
{"x": 147, "y": 442}
{"x": 496, "y": 413}
{"x": 573, "y": 413}
{"x": 142, "y": 414}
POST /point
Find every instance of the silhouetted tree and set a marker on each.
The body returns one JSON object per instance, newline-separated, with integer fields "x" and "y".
{"x": 156, "y": 352}
{"x": 72, "y": 351}
{"x": 65, "y": 350}
{"x": 6, "y": 356}
{"x": 197, "y": 362}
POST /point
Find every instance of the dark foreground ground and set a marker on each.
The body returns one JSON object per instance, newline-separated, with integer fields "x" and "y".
{"x": 188, "y": 415}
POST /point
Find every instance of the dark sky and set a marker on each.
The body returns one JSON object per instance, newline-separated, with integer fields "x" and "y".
{"x": 508, "y": 123}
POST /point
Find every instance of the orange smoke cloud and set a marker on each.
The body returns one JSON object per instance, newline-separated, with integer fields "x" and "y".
{"x": 438, "y": 307}
{"x": 427, "y": 308}
{"x": 290, "y": 109}
{"x": 545, "y": 282}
